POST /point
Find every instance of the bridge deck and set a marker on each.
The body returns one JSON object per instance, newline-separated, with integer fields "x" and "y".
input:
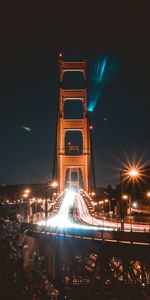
{"x": 118, "y": 237}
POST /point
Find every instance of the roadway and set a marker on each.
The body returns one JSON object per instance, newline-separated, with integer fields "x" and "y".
{"x": 73, "y": 212}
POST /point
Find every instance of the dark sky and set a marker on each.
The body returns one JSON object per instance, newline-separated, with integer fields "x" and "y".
{"x": 30, "y": 38}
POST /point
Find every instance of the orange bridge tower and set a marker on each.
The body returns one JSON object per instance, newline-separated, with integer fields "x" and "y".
{"x": 73, "y": 171}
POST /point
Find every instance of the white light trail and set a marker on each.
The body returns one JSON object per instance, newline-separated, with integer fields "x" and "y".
{"x": 74, "y": 209}
{"x": 62, "y": 217}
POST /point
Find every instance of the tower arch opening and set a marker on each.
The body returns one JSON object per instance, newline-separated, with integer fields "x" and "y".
{"x": 73, "y": 142}
{"x": 73, "y": 80}
{"x": 73, "y": 178}
{"x": 73, "y": 109}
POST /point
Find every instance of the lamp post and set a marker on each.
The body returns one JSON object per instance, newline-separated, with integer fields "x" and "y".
{"x": 26, "y": 193}
{"x": 127, "y": 197}
{"x": 93, "y": 194}
{"x": 101, "y": 203}
{"x": 148, "y": 196}
{"x": 106, "y": 201}
{"x": 121, "y": 201}
{"x": 52, "y": 185}
{"x": 132, "y": 173}
{"x": 46, "y": 210}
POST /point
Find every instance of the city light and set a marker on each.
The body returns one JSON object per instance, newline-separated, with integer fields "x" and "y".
{"x": 125, "y": 197}
{"x": 106, "y": 200}
{"x": 27, "y": 191}
{"x": 148, "y": 194}
{"x": 25, "y": 195}
{"x": 54, "y": 184}
{"x": 133, "y": 173}
{"x": 134, "y": 204}
{"x": 93, "y": 194}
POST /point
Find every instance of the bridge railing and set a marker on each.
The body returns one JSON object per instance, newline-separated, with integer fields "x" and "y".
{"x": 122, "y": 237}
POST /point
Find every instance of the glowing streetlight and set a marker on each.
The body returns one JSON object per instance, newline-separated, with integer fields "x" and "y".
{"x": 93, "y": 194}
{"x": 127, "y": 197}
{"x": 25, "y": 195}
{"x": 27, "y": 191}
{"x": 105, "y": 206}
{"x": 134, "y": 204}
{"x": 54, "y": 184}
{"x": 106, "y": 200}
{"x": 148, "y": 194}
{"x": 133, "y": 173}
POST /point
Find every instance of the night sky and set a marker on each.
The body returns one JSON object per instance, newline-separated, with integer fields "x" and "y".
{"x": 30, "y": 39}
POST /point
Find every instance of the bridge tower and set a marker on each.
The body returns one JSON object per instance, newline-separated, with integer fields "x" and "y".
{"x": 78, "y": 164}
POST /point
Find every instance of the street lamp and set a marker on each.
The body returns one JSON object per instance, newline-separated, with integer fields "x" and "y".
{"x": 105, "y": 205}
{"x": 52, "y": 185}
{"x": 25, "y": 194}
{"x": 133, "y": 174}
{"x": 121, "y": 206}
{"x": 134, "y": 204}
{"x": 127, "y": 197}
{"x": 27, "y": 191}
{"x": 93, "y": 194}
{"x": 148, "y": 196}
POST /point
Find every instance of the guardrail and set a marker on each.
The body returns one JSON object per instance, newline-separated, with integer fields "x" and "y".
{"x": 122, "y": 237}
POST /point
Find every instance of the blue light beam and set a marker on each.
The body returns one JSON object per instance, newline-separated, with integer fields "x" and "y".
{"x": 99, "y": 76}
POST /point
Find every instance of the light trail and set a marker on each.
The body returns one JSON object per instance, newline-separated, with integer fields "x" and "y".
{"x": 71, "y": 201}
{"x": 74, "y": 213}
{"x": 62, "y": 217}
